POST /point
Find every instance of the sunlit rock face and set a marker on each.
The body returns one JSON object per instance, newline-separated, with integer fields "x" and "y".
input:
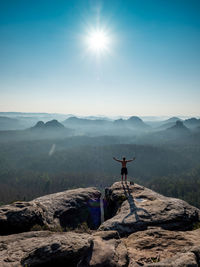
{"x": 64, "y": 209}
{"x": 131, "y": 208}
{"x": 158, "y": 247}
{"x": 141, "y": 228}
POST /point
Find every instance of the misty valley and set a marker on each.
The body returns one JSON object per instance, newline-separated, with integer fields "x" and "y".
{"x": 44, "y": 153}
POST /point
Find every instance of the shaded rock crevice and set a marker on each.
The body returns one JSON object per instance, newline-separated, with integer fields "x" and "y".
{"x": 196, "y": 251}
{"x": 112, "y": 203}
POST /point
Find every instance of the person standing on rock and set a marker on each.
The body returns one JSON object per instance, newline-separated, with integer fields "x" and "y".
{"x": 124, "y": 170}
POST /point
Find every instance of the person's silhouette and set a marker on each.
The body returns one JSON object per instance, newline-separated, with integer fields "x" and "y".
{"x": 124, "y": 170}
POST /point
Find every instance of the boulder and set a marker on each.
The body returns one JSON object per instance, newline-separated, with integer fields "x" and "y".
{"x": 153, "y": 247}
{"x": 49, "y": 249}
{"x": 130, "y": 208}
{"x": 142, "y": 228}
{"x": 43, "y": 248}
{"x": 107, "y": 251}
{"x": 63, "y": 210}
{"x": 159, "y": 247}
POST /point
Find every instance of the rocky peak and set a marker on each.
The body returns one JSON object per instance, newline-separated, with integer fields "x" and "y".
{"x": 39, "y": 124}
{"x": 179, "y": 127}
{"x": 179, "y": 124}
{"x": 141, "y": 228}
{"x": 135, "y": 119}
{"x": 53, "y": 125}
{"x": 136, "y": 122}
{"x": 132, "y": 208}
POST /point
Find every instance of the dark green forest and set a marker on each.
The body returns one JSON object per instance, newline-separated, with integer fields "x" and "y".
{"x": 29, "y": 169}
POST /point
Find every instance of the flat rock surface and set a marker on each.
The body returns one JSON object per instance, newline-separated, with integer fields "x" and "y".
{"x": 43, "y": 248}
{"x": 64, "y": 209}
{"x": 156, "y": 246}
{"x": 135, "y": 207}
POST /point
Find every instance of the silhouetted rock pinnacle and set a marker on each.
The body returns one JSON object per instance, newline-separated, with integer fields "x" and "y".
{"x": 53, "y": 124}
{"x": 179, "y": 127}
{"x": 39, "y": 124}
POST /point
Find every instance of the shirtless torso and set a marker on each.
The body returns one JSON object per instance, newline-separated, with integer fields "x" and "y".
{"x": 123, "y": 162}
{"x": 124, "y": 169}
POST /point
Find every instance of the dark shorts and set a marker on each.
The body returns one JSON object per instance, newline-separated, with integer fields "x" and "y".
{"x": 124, "y": 171}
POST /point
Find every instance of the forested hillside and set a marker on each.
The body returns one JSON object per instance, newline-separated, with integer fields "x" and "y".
{"x": 33, "y": 168}
{"x": 185, "y": 185}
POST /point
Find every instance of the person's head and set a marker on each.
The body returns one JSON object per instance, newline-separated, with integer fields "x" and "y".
{"x": 124, "y": 158}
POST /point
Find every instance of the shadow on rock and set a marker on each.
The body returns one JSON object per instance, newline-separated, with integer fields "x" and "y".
{"x": 133, "y": 208}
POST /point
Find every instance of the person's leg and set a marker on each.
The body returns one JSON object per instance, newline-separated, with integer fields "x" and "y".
{"x": 122, "y": 173}
{"x": 126, "y": 173}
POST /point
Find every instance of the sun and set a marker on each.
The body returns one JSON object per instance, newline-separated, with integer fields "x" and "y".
{"x": 98, "y": 41}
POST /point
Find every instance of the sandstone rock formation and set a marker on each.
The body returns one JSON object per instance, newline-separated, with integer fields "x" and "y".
{"x": 43, "y": 248}
{"x": 107, "y": 250}
{"x": 132, "y": 208}
{"x": 153, "y": 247}
{"x": 64, "y": 209}
{"x": 141, "y": 228}
{"x": 158, "y": 247}
{"x": 46, "y": 248}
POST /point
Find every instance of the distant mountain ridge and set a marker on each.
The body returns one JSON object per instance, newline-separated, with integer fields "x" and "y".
{"x": 28, "y": 119}
{"x": 84, "y": 121}
{"x": 180, "y": 127}
{"x": 172, "y": 119}
{"x": 189, "y": 123}
{"x": 132, "y": 127}
{"x": 192, "y": 122}
{"x": 53, "y": 124}
{"x": 130, "y": 122}
{"x": 137, "y": 122}
{"x": 10, "y": 123}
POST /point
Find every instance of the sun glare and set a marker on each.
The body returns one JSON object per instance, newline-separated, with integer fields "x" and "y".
{"x": 98, "y": 41}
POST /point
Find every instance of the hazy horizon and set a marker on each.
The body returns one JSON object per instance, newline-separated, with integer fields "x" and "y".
{"x": 116, "y": 116}
{"x": 100, "y": 57}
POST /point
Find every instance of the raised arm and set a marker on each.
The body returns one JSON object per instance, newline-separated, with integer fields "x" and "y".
{"x": 131, "y": 159}
{"x": 117, "y": 159}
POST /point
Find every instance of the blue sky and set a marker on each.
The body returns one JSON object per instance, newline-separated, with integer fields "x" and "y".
{"x": 152, "y": 66}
